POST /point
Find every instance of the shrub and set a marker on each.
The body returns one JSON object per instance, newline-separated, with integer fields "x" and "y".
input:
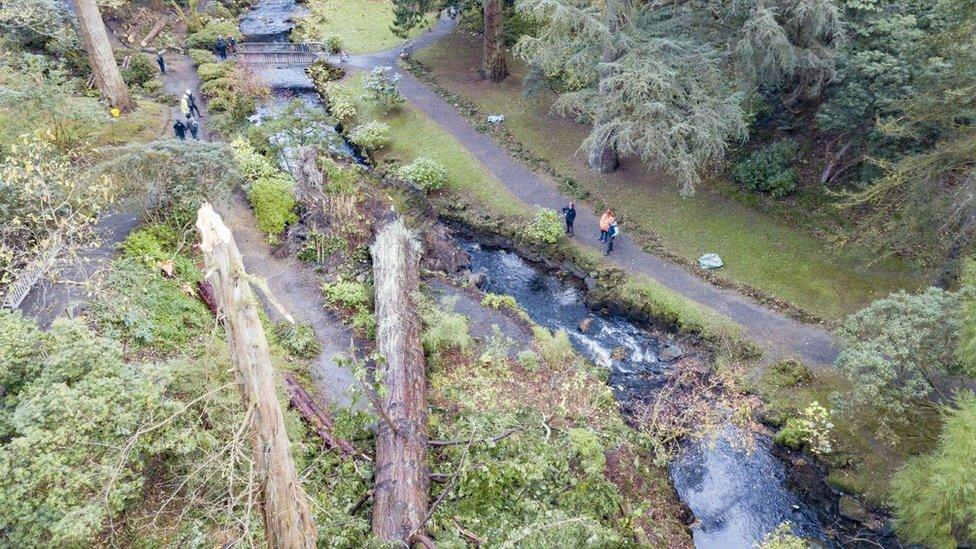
{"x": 812, "y": 428}
{"x": 443, "y": 330}
{"x": 334, "y": 43}
{"x": 348, "y": 294}
{"x": 322, "y": 72}
{"x": 371, "y": 136}
{"x": 933, "y": 494}
{"x": 782, "y": 538}
{"x": 555, "y": 349}
{"x": 341, "y": 101}
{"x": 200, "y": 57}
{"x": 252, "y": 164}
{"x": 769, "y": 170}
{"x": 298, "y": 339}
{"x": 141, "y": 69}
{"x": 273, "y": 200}
{"x": 206, "y": 38}
{"x": 212, "y": 71}
{"x": 966, "y": 351}
{"x": 546, "y": 227}
{"x": 500, "y": 301}
{"x": 156, "y": 245}
{"x": 425, "y": 173}
{"x": 381, "y": 88}
{"x": 788, "y": 373}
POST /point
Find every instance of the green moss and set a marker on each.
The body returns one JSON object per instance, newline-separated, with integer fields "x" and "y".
{"x": 792, "y": 435}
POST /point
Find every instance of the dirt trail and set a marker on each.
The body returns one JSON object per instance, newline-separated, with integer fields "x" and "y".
{"x": 295, "y": 285}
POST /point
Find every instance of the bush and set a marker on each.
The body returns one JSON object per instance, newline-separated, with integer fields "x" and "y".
{"x": 273, "y": 200}
{"x": 212, "y": 71}
{"x": 206, "y": 38}
{"x": 141, "y": 69}
{"x": 334, "y": 43}
{"x": 200, "y": 57}
{"x": 782, "y": 538}
{"x": 381, "y": 88}
{"x": 812, "y": 428}
{"x": 371, "y": 136}
{"x": 341, "y": 101}
{"x": 348, "y": 294}
{"x": 933, "y": 494}
{"x": 322, "y": 72}
{"x": 425, "y": 173}
{"x": 500, "y": 301}
{"x": 443, "y": 330}
{"x": 545, "y": 228}
{"x": 298, "y": 339}
{"x": 769, "y": 170}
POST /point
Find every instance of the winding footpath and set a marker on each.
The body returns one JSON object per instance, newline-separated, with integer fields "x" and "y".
{"x": 781, "y": 336}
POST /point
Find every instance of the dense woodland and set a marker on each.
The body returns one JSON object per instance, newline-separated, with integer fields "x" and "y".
{"x": 176, "y": 402}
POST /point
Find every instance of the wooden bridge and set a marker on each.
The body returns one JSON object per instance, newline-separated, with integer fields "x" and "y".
{"x": 280, "y": 53}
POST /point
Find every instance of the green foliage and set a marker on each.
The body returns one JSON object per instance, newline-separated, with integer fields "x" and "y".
{"x": 371, "y": 136}
{"x": 322, "y": 72}
{"x": 206, "y": 38}
{"x": 381, "y": 89}
{"x": 967, "y": 313}
{"x": 232, "y": 90}
{"x": 341, "y": 101}
{"x": 894, "y": 348}
{"x": 298, "y": 339}
{"x": 791, "y": 434}
{"x": 201, "y": 57}
{"x": 782, "y": 538}
{"x": 788, "y": 373}
{"x": 769, "y": 170}
{"x": 65, "y": 469}
{"x": 500, "y": 301}
{"x": 546, "y": 227}
{"x": 553, "y": 347}
{"x": 158, "y": 245}
{"x": 813, "y": 428}
{"x": 444, "y": 330}
{"x": 212, "y": 70}
{"x": 933, "y": 494}
{"x": 273, "y": 200}
{"x": 141, "y": 70}
{"x": 172, "y": 178}
{"x": 425, "y": 173}
{"x": 349, "y": 294}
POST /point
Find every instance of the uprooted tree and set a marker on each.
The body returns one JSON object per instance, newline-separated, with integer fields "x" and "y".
{"x": 287, "y": 521}
{"x": 400, "y": 495}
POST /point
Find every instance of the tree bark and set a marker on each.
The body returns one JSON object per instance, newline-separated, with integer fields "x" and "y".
{"x": 602, "y": 156}
{"x": 400, "y": 495}
{"x": 287, "y": 521}
{"x": 314, "y": 416}
{"x": 101, "y": 57}
{"x": 493, "y": 65}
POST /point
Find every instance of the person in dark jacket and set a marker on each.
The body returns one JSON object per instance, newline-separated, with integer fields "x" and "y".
{"x": 161, "y": 62}
{"x": 570, "y": 213}
{"x": 221, "y": 47}
{"x": 231, "y": 44}
{"x": 194, "y": 127}
{"x": 179, "y": 128}
{"x": 191, "y": 103}
{"x": 612, "y": 233}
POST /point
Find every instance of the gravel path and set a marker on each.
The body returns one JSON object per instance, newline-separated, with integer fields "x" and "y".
{"x": 781, "y": 335}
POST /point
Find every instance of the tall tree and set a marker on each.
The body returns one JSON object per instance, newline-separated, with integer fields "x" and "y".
{"x": 101, "y": 57}
{"x": 665, "y": 81}
{"x": 493, "y": 66}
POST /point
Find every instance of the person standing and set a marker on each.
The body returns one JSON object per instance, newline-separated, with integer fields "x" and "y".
{"x": 612, "y": 233}
{"x": 161, "y": 62}
{"x": 221, "y": 47}
{"x": 605, "y": 220}
{"x": 185, "y": 107}
{"x": 570, "y": 213}
{"x": 192, "y": 104}
{"x": 194, "y": 127}
{"x": 231, "y": 44}
{"x": 179, "y": 128}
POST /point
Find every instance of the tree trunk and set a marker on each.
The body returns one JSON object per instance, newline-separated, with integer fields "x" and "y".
{"x": 602, "y": 156}
{"x": 400, "y": 495}
{"x": 287, "y": 522}
{"x": 100, "y": 56}
{"x": 315, "y": 417}
{"x": 493, "y": 65}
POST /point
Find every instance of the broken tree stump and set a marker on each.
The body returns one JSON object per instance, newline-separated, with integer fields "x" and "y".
{"x": 314, "y": 416}
{"x": 284, "y": 505}
{"x": 154, "y": 31}
{"x": 402, "y": 478}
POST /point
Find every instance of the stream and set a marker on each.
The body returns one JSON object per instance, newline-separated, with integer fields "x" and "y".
{"x": 735, "y": 495}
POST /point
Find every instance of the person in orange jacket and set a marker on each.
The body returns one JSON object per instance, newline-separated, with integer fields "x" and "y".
{"x": 605, "y": 221}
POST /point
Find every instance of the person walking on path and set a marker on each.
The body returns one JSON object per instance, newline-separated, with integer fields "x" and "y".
{"x": 221, "y": 47}
{"x": 606, "y": 220}
{"x": 194, "y": 127}
{"x": 192, "y": 104}
{"x": 231, "y": 44}
{"x": 612, "y": 233}
{"x": 179, "y": 128}
{"x": 161, "y": 62}
{"x": 570, "y": 213}
{"x": 185, "y": 107}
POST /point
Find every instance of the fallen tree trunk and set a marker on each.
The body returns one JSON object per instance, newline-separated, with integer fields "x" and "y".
{"x": 154, "y": 31}
{"x": 400, "y": 495}
{"x": 287, "y": 521}
{"x": 319, "y": 420}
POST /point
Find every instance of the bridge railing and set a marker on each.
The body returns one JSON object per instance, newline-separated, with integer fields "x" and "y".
{"x": 280, "y": 53}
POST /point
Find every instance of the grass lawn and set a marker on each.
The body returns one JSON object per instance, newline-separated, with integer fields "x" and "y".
{"x": 363, "y": 26}
{"x": 761, "y": 250}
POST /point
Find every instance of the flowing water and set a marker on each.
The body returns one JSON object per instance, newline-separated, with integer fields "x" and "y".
{"x": 736, "y": 496}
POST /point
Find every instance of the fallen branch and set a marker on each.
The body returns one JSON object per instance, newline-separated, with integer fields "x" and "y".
{"x": 467, "y": 533}
{"x": 362, "y": 501}
{"x": 206, "y": 293}
{"x": 440, "y": 443}
{"x": 447, "y": 489}
{"x": 318, "y": 419}
{"x": 154, "y": 31}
